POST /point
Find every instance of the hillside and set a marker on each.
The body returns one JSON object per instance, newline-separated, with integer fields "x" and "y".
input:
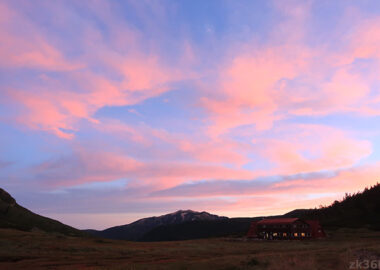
{"x": 137, "y": 229}
{"x": 12, "y": 215}
{"x": 353, "y": 211}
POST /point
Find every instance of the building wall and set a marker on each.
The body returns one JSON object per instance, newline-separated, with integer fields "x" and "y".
{"x": 295, "y": 230}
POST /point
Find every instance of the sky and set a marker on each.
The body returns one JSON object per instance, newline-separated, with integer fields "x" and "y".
{"x": 111, "y": 111}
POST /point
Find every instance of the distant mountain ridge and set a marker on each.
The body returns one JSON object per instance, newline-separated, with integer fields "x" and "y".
{"x": 14, "y": 216}
{"x": 354, "y": 211}
{"x": 200, "y": 229}
{"x": 136, "y": 230}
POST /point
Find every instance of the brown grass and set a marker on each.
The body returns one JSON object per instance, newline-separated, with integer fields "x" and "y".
{"x": 38, "y": 250}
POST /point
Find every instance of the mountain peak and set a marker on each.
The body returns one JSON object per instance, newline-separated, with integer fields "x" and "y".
{"x": 187, "y": 215}
{"x": 137, "y": 229}
{"x": 185, "y": 211}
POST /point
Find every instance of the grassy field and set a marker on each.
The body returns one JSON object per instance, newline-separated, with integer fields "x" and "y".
{"x": 38, "y": 250}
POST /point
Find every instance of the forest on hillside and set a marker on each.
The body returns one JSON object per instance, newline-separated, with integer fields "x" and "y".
{"x": 361, "y": 209}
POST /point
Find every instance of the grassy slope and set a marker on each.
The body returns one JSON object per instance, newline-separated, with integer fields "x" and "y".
{"x": 12, "y": 215}
{"x": 37, "y": 250}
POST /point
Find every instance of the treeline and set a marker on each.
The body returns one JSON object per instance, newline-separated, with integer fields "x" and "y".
{"x": 355, "y": 210}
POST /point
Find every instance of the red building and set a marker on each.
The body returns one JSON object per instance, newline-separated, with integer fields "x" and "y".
{"x": 285, "y": 228}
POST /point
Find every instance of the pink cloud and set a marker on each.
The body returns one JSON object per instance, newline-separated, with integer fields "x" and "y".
{"x": 28, "y": 48}
{"x": 100, "y": 162}
{"x": 313, "y": 148}
{"x": 85, "y": 166}
{"x": 189, "y": 147}
{"x": 247, "y": 89}
{"x": 261, "y": 85}
{"x": 275, "y": 204}
{"x": 365, "y": 39}
{"x": 258, "y": 87}
{"x": 308, "y": 191}
{"x": 222, "y": 151}
{"x": 55, "y": 105}
{"x": 40, "y": 113}
{"x": 306, "y": 148}
{"x": 63, "y": 108}
{"x": 349, "y": 180}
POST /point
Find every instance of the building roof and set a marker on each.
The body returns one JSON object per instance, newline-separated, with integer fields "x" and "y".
{"x": 278, "y": 221}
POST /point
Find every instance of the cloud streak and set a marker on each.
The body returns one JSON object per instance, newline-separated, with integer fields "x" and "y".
{"x": 242, "y": 111}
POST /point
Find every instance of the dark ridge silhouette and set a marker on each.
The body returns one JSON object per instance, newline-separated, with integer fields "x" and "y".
{"x": 14, "y": 216}
{"x": 356, "y": 210}
{"x": 136, "y": 230}
{"x": 234, "y": 227}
